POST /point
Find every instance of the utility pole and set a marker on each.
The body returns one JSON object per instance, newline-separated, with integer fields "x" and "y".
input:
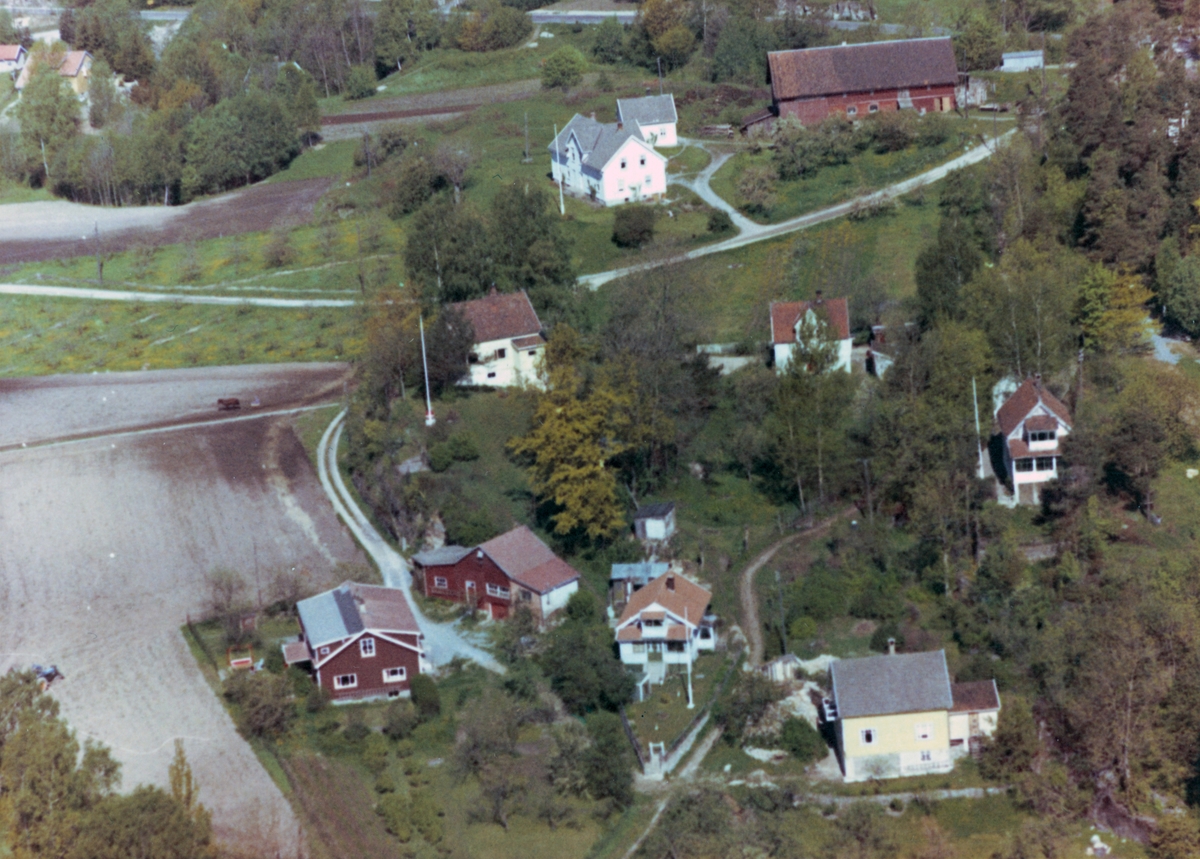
{"x": 660, "y": 82}
{"x": 527, "y": 157}
{"x": 99, "y": 257}
{"x": 978, "y": 434}
{"x": 782, "y": 624}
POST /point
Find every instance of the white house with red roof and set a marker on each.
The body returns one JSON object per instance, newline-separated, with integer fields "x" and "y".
{"x": 75, "y": 66}
{"x": 359, "y": 642}
{"x": 1033, "y": 423}
{"x": 611, "y": 162}
{"x": 508, "y": 340}
{"x": 665, "y": 623}
{"x": 829, "y": 315}
{"x": 12, "y": 58}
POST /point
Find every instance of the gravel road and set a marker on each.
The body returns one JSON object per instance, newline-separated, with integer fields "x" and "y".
{"x": 105, "y": 543}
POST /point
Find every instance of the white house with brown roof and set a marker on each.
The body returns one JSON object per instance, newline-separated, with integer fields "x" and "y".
{"x": 1032, "y": 423}
{"x": 830, "y": 316}
{"x": 664, "y": 624}
{"x": 12, "y": 58}
{"x": 654, "y": 116}
{"x": 508, "y": 340}
{"x": 610, "y": 162}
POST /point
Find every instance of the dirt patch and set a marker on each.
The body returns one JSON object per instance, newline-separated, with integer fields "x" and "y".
{"x": 338, "y": 808}
{"x": 433, "y": 102}
{"x": 864, "y": 627}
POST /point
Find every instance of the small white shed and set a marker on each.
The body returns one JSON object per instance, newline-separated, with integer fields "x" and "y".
{"x": 1021, "y": 61}
{"x": 655, "y": 521}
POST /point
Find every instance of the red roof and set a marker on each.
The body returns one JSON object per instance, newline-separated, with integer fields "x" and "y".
{"x": 528, "y": 561}
{"x": 1041, "y": 423}
{"x": 1018, "y": 449}
{"x": 499, "y": 316}
{"x": 1024, "y": 400}
{"x": 974, "y": 697}
{"x": 838, "y": 69}
{"x": 72, "y": 63}
{"x": 785, "y": 314}
{"x": 10, "y": 53}
{"x": 680, "y": 596}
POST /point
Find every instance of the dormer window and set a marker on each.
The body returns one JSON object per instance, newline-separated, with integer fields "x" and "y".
{"x": 1042, "y": 435}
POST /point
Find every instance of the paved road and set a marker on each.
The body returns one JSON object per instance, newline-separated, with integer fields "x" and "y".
{"x": 147, "y": 14}
{"x": 160, "y": 297}
{"x": 443, "y": 641}
{"x": 761, "y": 232}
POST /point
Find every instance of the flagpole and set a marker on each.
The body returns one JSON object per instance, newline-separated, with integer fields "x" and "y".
{"x": 978, "y": 434}
{"x": 430, "y": 420}
{"x": 562, "y": 206}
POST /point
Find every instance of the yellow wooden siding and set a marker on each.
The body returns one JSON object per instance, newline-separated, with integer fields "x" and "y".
{"x": 895, "y": 734}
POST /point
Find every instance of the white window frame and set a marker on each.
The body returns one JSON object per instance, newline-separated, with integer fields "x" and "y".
{"x": 389, "y": 675}
{"x": 639, "y": 647}
{"x": 324, "y": 651}
{"x": 497, "y": 591}
{"x": 852, "y": 110}
{"x": 441, "y": 582}
{"x": 924, "y": 731}
{"x": 926, "y": 756}
{"x": 868, "y": 736}
{"x": 872, "y": 108}
{"x": 366, "y": 648}
{"x": 340, "y": 681}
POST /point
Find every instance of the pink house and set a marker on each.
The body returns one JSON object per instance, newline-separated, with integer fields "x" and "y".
{"x": 609, "y": 162}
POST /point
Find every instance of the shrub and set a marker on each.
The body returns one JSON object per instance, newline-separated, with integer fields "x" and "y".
{"x": 317, "y": 699}
{"x": 609, "y": 44}
{"x": 633, "y": 226}
{"x": 384, "y": 783}
{"x": 934, "y": 129}
{"x": 356, "y": 727}
{"x": 264, "y": 702}
{"x": 564, "y": 68}
{"x": 803, "y": 628}
{"x": 375, "y": 754}
{"x": 278, "y": 250}
{"x": 719, "y": 221}
{"x": 425, "y": 697}
{"x": 802, "y": 740}
{"x": 360, "y": 83}
{"x": 399, "y": 720}
{"x": 424, "y": 816}
{"x": 393, "y": 808}
{"x": 894, "y": 131}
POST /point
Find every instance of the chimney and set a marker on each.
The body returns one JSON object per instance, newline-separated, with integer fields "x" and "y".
{"x": 891, "y": 647}
{"x": 820, "y": 297}
{"x": 671, "y": 583}
{"x": 479, "y": 554}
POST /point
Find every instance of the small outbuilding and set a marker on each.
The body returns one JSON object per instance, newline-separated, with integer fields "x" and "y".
{"x": 655, "y": 522}
{"x": 626, "y": 579}
{"x": 1021, "y": 61}
{"x": 12, "y": 58}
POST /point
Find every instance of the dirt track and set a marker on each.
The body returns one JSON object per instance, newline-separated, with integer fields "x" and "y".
{"x": 104, "y": 545}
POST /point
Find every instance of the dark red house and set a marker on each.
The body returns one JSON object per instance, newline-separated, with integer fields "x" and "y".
{"x": 360, "y": 641}
{"x": 859, "y": 80}
{"x": 515, "y": 567}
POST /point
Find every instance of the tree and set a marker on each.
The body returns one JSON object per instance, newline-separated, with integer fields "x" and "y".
{"x": 862, "y": 832}
{"x": 297, "y": 90}
{"x": 148, "y": 824}
{"x": 978, "y": 43}
{"x": 756, "y": 189}
{"x": 675, "y": 46}
{"x": 529, "y": 249}
{"x": 425, "y": 698}
{"x": 360, "y": 83}
{"x": 609, "y": 37}
{"x": 487, "y": 733}
{"x": 1012, "y": 749}
{"x": 102, "y": 94}
{"x": 746, "y": 703}
{"x": 449, "y": 339}
{"x": 633, "y": 226}
{"x": 48, "y": 112}
{"x": 578, "y": 660}
{"x": 264, "y": 701}
{"x": 403, "y": 31}
{"x": 447, "y": 253}
{"x": 802, "y": 740}
{"x": 1112, "y": 311}
{"x": 242, "y": 139}
{"x": 576, "y": 431}
{"x": 741, "y": 51}
{"x": 609, "y": 761}
{"x": 452, "y": 160}
{"x": 943, "y": 269}
{"x": 563, "y": 68}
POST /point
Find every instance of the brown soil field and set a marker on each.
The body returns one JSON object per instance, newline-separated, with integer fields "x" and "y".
{"x": 105, "y": 545}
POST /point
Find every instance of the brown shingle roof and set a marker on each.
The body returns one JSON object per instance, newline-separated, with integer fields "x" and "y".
{"x": 1018, "y": 449}
{"x": 814, "y": 72}
{"x": 499, "y": 316}
{"x": 72, "y": 63}
{"x": 677, "y": 632}
{"x": 296, "y": 651}
{"x": 974, "y": 697}
{"x": 784, "y": 315}
{"x": 1024, "y": 400}
{"x": 687, "y": 600}
{"x": 10, "y": 53}
{"x": 1041, "y": 423}
{"x": 528, "y": 561}
{"x": 629, "y": 633}
{"x": 383, "y": 608}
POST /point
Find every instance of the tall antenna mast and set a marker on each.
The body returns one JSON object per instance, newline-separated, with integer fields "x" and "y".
{"x": 430, "y": 420}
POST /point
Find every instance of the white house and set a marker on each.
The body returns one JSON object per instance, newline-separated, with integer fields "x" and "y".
{"x": 12, "y": 58}
{"x": 1021, "y": 61}
{"x": 664, "y": 624}
{"x": 607, "y": 161}
{"x": 655, "y": 521}
{"x": 833, "y": 314}
{"x": 508, "y": 340}
{"x": 1032, "y": 421}
{"x": 654, "y": 116}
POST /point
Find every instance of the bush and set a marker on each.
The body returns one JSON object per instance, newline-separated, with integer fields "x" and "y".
{"x": 564, "y": 68}
{"x": 633, "y": 226}
{"x": 803, "y": 629}
{"x": 934, "y": 129}
{"x": 460, "y": 447}
{"x": 375, "y": 754}
{"x": 467, "y": 526}
{"x": 317, "y": 699}
{"x": 894, "y": 131}
{"x": 356, "y": 727}
{"x": 278, "y": 250}
{"x": 360, "y": 83}
{"x": 264, "y": 703}
{"x": 609, "y": 44}
{"x": 384, "y": 783}
{"x": 425, "y": 697}
{"x": 719, "y": 221}
{"x": 393, "y": 808}
{"x": 802, "y": 740}
{"x": 400, "y": 720}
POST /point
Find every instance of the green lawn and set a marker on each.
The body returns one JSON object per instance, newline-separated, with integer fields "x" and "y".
{"x": 664, "y": 716}
{"x": 325, "y": 159}
{"x": 686, "y": 159}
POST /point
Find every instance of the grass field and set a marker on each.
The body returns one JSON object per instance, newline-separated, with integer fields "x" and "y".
{"x": 664, "y": 716}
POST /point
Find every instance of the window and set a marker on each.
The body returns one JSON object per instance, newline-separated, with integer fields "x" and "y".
{"x": 496, "y": 591}
{"x": 924, "y": 730}
{"x": 654, "y": 623}
{"x": 1042, "y": 435}
{"x": 440, "y": 582}
{"x": 1024, "y": 465}
{"x": 473, "y": 358}
{"x": 366, "y": 647}
{"x": 642, "y": 161}
{"x": 675, "y": 646}
{"x": 622, "y": 163}
{"x": 852, "y": 111}
{"x": 324, "y": 651}
{"x": 501, "y": 353}
{"x": 526, "y": 596}
{"x": 905, "y": 94}
{"x": 395, "y": 675}
{"x": 872, "y": 108}
{"x": 867, "y": 736}
{"x": 647, "y": 181}
{"x": 639, "y": 647}
{"x": 1045, "y": 463}
{"x": 926, "y": 756}
{"x": 345, "y": 681}
{"x": 491, "y": 375}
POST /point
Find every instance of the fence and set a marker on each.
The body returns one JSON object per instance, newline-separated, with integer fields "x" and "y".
{"x": 637, "y": 748}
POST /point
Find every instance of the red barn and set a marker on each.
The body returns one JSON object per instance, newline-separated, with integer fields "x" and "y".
{"x": 514, "y": 567}
{"x": 858, "y": 80}
{"x": 361, "y": 641}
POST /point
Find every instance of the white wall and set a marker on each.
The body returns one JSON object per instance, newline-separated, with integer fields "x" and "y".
{"x": 631, "y": 183}
{"x": 659, "y": 135}
{"x": 516, "y": 368}
{"x": 783, "y": 355}
{"x": 558, "y": 597}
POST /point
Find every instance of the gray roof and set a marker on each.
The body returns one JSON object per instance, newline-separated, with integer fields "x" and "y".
{"x": 655, "y": 511}
{"x": 641, "y": 573}
{"x": 444, "y": 557}
{"x": 599, "y": 141}
{"x": 881, "y": 685}
{"x": 651, "y": 110}
{"x": 324, "y": 619}
{"x": 350, "y": 608}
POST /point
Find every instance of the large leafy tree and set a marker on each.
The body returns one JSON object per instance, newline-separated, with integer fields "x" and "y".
{"x": 529, "y": 248}
{"x": 403, "y": 30}
{"x": 48, "y": 112}
{"x": 242, "y": 139}
{"x": 446, "y": 253}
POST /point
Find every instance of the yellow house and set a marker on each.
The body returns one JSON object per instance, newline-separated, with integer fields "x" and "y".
{"x": 892, "y": 715}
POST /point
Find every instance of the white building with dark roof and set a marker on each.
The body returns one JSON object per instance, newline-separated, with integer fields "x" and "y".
{"x": 1033, "y": 423}
{"x": 653, "y": 116}
{"x": 609, "y": 162}
{"x": 508, "y": 340}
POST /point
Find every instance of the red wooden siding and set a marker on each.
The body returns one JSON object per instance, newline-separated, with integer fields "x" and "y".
{"x": 473, "y": 568}
{"x": 369, "y": 669}
{"x": 932, "y": 99}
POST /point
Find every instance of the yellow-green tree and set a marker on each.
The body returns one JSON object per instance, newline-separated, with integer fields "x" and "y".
{"x": 577, "y": 429}
{"x": 1112, "y": 311}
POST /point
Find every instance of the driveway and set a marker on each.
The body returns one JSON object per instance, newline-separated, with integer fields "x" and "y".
{"x": 128, "y": 490}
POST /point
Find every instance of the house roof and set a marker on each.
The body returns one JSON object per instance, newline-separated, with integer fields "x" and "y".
{"x": 785, "y": 315}
{"x": 500, "y": 316}
{"x": 677, "y": 633}
{"x": 531, "y": 342}
{"x": 900, "y": 683}
{"x": 1024, "y": 400}
{"x": 599, "y": 141}
{"x": 687, "y": 600}
{"x": 11, "y": 53}
{"x": 1018, "y": 449}
{"x": 975, "y": 696}
{"x": 350, "y": 608}
{"x": 73, "y": 63}
{"x": 655, "y": 511}
{"x": 1020, "y": 55}
{"x": 1041, "y": 423}
{"x": 650, "y": 110}
{"x": 296, "y": 651}
{"x": 837, "y": 69}
{"x": 444, "y": 557}
{"x": 629, "y": 633}
{"x": 638, "y": 573}
{"x": 528, "y": 561}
